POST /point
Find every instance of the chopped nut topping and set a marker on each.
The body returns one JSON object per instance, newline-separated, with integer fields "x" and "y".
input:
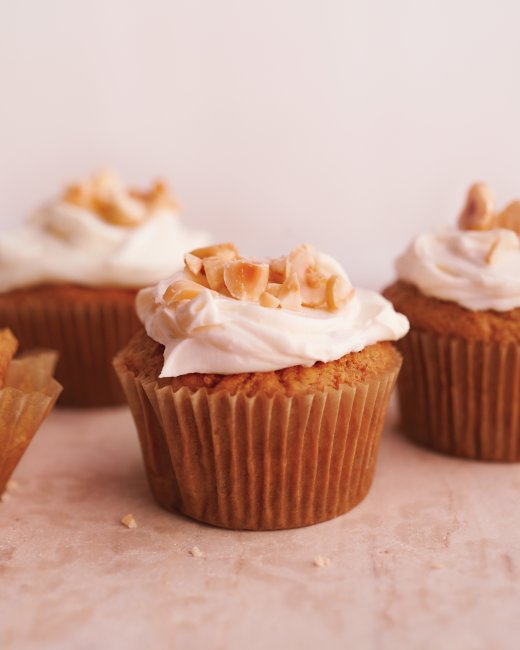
{"x": 196, "y": 552}
{"x": 246, "y": 280}
{"x": 226, "y": 251}
{"x": 129, "y": 521}
{"x": 105, "y": 195}
{"x": 478, "y": 211}
{"x": 182, "y": 290}
{"x": 290, "y": 282}
{"x": 268, "y": 300}
{"x": 193, "y": 263}
{"x": 338, "y": 292}
{"x": 214, "y": 271}
{"x": 289, "y": 294}
{"x": 509, "y": 217}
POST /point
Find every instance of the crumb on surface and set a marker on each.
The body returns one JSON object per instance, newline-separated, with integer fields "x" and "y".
{"x": 129, "y": 521}
{"x": 435, "y": 565}
{"x": 322, "y": 561}
{"x": 196, "y": 552}
{"x": 5, "y": 496}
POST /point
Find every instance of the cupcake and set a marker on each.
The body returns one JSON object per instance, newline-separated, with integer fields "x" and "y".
{"x": 259, "y": 387}
{"x": 27, "y": 394}
{"x": 460, "y": 289}
{"x": 69, "y": 277}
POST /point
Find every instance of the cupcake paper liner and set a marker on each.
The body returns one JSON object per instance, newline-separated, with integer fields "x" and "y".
{"x": 86, "y": 334}
{"x": 461, "y": 397}
{"x": 27, "y": 397}
{"x": 259, "y": 462}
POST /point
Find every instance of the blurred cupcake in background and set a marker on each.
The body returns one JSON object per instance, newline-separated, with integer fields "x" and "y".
{"x": 459, "y": 388}
{"x": 259, "y": 388}
{"x": 28, "y": 392}
{"x": 69, "y": 276}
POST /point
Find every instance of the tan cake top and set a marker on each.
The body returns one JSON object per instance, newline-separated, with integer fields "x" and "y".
{"x": 293, "y": 281}
{"x": 106, "y": 195}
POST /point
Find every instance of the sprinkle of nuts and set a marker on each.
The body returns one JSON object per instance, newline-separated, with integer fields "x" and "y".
{"x": 290, "y": 282}
{"x": 509, "y": 217}
{"x": 106, "y": 195}
{"x": 478, "y": 211}
{"x": 129, "y": 521}
{"x": 246, "y": 280}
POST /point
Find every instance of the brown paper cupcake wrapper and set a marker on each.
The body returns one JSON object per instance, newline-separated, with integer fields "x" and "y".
{"x": 87, "y": 336}
{"x": 259, "y": 462}
{"x": 461, "y": 397}
{"x": 27, "y": 397}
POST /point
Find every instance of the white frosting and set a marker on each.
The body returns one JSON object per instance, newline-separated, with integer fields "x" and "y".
{"x": 66, "y": 243}
{"x": 456, "y": 265}
{"x": 212, "y": 333}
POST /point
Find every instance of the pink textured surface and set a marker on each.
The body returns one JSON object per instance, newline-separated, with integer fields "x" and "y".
{"x": 431, "y": 558}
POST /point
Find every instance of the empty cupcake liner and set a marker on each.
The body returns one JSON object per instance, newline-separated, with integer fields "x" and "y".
{"x": 28, "y": 395}
{"x": 461, "y": 397}
{"x": 86, "y": 334}
{"x": 259, "y": 462}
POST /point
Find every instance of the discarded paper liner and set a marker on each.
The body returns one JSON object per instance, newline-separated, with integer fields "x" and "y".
{"x": 86, "y": 333}
{"x": 461, "y": 397}
{"x": 27, "y": 397}
{"x": 259, "y": 463}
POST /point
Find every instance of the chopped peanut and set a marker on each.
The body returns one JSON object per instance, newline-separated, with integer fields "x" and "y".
{"x": 246, "y": 280}
{"x": 268, "y": 300}
{"x": 214, "y": 270}
{"x": 509, "y": 217}
{"x": 226, "y": 251}
{"x": 338, "y": 292}
{"x": 193, "y": 263}
{"x": 289, "y": 295}
{"x": 181, "y": 290}
{"x": 478, "y": 211}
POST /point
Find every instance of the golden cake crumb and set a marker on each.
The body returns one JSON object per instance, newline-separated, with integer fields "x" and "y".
{"x": 322, "y": 561}
{"x": 129, "y": 521}
{"x": 196, "y": 552}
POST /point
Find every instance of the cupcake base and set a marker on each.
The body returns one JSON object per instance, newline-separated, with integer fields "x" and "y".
{"x": 87, "y": 326}
{"x": 26, "y": 398}
{"x": 260, "y": 462}
{"x": 461, "y": 397}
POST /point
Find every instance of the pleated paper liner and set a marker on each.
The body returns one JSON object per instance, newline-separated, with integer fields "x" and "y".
{"x": 461, "y": 397}
{"x": 259, "y": 463}
{"x": 27, "y": 397}
{"x": 87, "y": 334}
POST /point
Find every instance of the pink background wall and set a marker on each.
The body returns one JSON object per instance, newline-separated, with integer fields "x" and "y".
{"x": 348, "y": 124}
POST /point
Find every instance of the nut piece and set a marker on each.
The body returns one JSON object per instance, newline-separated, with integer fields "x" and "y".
{"x": 129, "y": 521}
{"x": 322, "y": 561}
{"x": 268, "y": 300}
{"x": 338, "y": 292}
{"x": 289, "y": 294}
{"x": 181, "y": 290}
{"x": 278, "y": 270}
{"x": 225, "y": 251}
{"x": 193, "y": 263}
{"x": 214, "y": 269}
{"x": 196, "y": 552}
{"x": 479, "y": 209}
{"x": 246, "y": 280}
{"x": 509, "y": 217}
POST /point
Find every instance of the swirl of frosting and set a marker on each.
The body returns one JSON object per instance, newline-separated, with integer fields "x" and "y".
{"x": 215, "y": 333}
{"x": 478, "y": 269}
{"x": 69, "y": 242}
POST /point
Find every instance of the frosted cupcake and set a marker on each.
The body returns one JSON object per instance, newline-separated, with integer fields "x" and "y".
{"x": 259, "y": 387}
{"x": 69, "y": 277}
{"x": 459, "y": 388}
{"x": 27, "y": 394}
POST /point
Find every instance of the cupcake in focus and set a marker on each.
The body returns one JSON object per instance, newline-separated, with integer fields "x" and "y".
{"x": 259, "y": 387}
{"x": 69, "y": 277}
{"x": 27, "y": 394}
{"x": 459, "y": 388}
